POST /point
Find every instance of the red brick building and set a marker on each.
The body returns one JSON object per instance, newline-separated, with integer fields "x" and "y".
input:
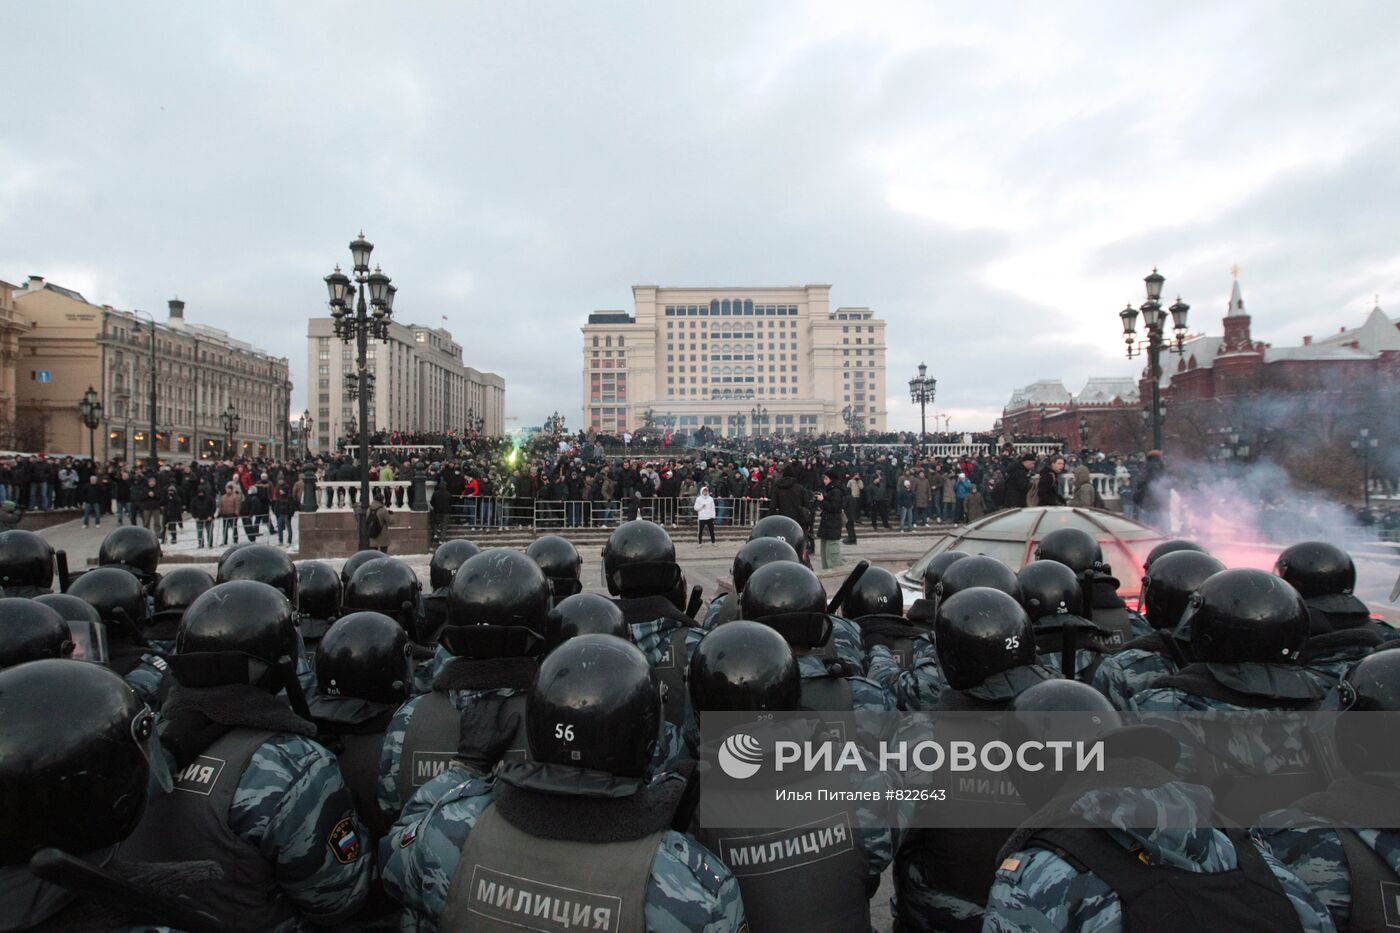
{"x": 1105, "y": 415}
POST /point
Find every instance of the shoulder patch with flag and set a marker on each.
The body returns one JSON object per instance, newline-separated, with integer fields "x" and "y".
{"x": 344, "y": 841}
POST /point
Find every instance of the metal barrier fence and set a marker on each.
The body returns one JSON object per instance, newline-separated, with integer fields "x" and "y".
{"x": 481, "y": 512}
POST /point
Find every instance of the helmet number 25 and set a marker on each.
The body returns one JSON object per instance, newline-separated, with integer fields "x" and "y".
{"x": 565, "y": 732}
{"x": 1013, "y": 642}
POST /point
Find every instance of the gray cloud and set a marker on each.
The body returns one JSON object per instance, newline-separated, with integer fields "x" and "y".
{"x": 994, "y": 187}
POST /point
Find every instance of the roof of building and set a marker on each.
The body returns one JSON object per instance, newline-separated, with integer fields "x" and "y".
{"x": 1236, "y": 306}
{"x": 1376, "y": 335}
{"x": 611, "y": 317}
{"x": 1104, "y": 389}
{"x": 1040, "y": 392}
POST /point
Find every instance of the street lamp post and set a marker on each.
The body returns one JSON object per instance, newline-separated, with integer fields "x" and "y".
{"x": 1365, "y": 443}
{"x": 1083, "y": 432}
{"x": 230, "y": 419}
{"x": 1154, "y": 319}
{"x": 736, "y": 424}
{"x": 354, "y": 320}
{"x": 759, "y": 415}
{"x": 921, "y": 392}
{"x": 136, "y": 329}
{"x": 90, "y": 410}
{"x": 304, "y": 428}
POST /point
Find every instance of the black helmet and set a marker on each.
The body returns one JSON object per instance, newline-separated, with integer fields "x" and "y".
{"x": 1169, "y": 583}
{"x": 1073, "y": 547}
{"x": 264, "y": 564}
{"x": 979, "y": 570}
{"x": 1171, "y": 547}
{"x": 1372, "y": 684}
{"x": 980, "y": 632}
{"x": 26, "y": 560}
{"x": 594, "y": 705}
{"x": 560, "y": 561}
{"x": 641, "y": 545}
{"x": 229, "y": 552}
{"x": 780, "y": 589}
{"x": 318, "y": 591}
{"x": 1049, "y": 588}
{"x": 237, "y": 632}
{"x": 70, "y": 607}
{"x": 177, "y": 589}
{"x": 116, "y": 594}
{"x": 936, "y": 568}
{"x": 448, "y": 556}
{"x": 81, "y": 787}
{"x": 499, "y": 587}
{"x": 384, "y": 585}
{"x": 29, "y": 630}
{"x": 1316, "y": 568}
{"x": 755, "y": 553}
{"x": 780, "y": 526}
{"x": 365, "y": 655}
{"x": 1246, "y": 615}
{"x": 353, "y": 562}
{"x": 585, "y": 614}
{"x": 743, "y": 665}
{"x": 132, "y": 547}
{"x": 877, "y": 592}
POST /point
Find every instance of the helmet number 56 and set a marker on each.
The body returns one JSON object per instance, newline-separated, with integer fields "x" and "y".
{"x": 565, "y": 732}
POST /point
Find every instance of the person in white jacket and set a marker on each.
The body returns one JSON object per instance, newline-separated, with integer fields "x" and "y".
{"x": 705, "y": 512}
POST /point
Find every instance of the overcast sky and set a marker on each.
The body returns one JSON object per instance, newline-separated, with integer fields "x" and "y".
{"x": 994, "y": 187}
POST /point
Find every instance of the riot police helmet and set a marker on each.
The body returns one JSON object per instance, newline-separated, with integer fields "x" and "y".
{"x": 499, "y": 587}
{"x": 1246, "y": 615}
{"x": 26, "y": 561}
{"x": 365, "y": 655}
{"x": 1049, "y": 588}
{"x": 1316, "y": 568}
{"x": 743, "y": 665}
{"x": 447, "y": 557}
{"x": 1366, "y": 744}
{"x": 133, "y": 547}
{"x": 1169, "y": 583}
{"x": 116, "y": 594}
{"x": 781, "y": 526}
{"x": 754, "y": 554}
{"x": 82, "y": 787}
{"x": 178, "y": 589}
{"x": 978, "y": 570}
{"x": 384, "y": 585}
{"x": 781, "y": 588}
{"x": 262, "y": 563}
{"x": 633, "y": 558}
{"x": 1171, "y": 546}
{"x": 936, "y": 568}
{"x": 560, "y": 561}
{"x": 240, "y": 632}
{"x": 585, "y": 614}
{"x": 29, "y": 630}
{"x": 353, "y": 562}
{"x": 594, "y": 705}
{"x": 877, "y": 592}
{"x": 980, "y": 632}
{"x": 70, "y": 607}
{"x": 1073, "y": 547}
{"x": 318, "y": 590}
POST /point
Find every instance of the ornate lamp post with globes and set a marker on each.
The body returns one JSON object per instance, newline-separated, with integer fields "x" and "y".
{"x": 1154, "y": 320}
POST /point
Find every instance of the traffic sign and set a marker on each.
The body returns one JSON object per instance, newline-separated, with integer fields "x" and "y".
{"x": 43, "y": 375}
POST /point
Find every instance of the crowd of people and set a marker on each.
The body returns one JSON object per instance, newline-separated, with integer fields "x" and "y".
{"x": 279, "y": 745}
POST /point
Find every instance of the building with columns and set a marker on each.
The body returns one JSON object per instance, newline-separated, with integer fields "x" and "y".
{"x": 721, "y": 357}
{"x": 420, "y": 384}
{"x": 11, "y": 327}
{"x": 72, "y": 344}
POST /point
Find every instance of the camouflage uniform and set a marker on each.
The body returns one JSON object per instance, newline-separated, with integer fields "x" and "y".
{"x": 147, "y": 679}
{"x": 689, "y": 889}
{"x": 289, "y": 797}
{"x": 722, "y": 608}
{"x": 917, "y": 688}
{"x": 1038, "y": 890}
{"x": 1315, "y": 855}
{"x": 1129, "y": 672}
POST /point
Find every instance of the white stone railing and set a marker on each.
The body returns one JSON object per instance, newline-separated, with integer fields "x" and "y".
{"x": 342, "y": 495}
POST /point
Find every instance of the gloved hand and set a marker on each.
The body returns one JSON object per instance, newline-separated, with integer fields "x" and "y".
{"x": 487, "y": 730}
{"x": 186, "y": 733}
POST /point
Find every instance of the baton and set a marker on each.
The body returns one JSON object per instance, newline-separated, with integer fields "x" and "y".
{"x": 58, "y": 867}
{"x": 61, "y": 560}
{"x": 847, "y": 586}
{"x": 697, "y": 599}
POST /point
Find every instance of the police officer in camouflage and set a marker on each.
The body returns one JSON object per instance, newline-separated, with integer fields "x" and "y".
{"x": 1344, "y": 842}
{"x": 254, "y": 792}
{"x": 639, "y": 564}
{"x": 1148, "y": 859}
{"x": 1166, "y": 589}
{"x": 745, "y": 666}
{"x": 918, "y": 684}
{"x": 447, "y": 557}
{"x": 875, "y": 604}
{"x": 986, "y": 651}
{"x": 576, "y": 833}
{"x": 487, "y": 658}
{"x": 318, "y": 601}
{"x": 926, "y": 608}
{"x": 1064, "y": 639}
{"x": 1341, "y": 630}
{"x": 1077, "y": 550}
{"x": 175, "y": 592}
